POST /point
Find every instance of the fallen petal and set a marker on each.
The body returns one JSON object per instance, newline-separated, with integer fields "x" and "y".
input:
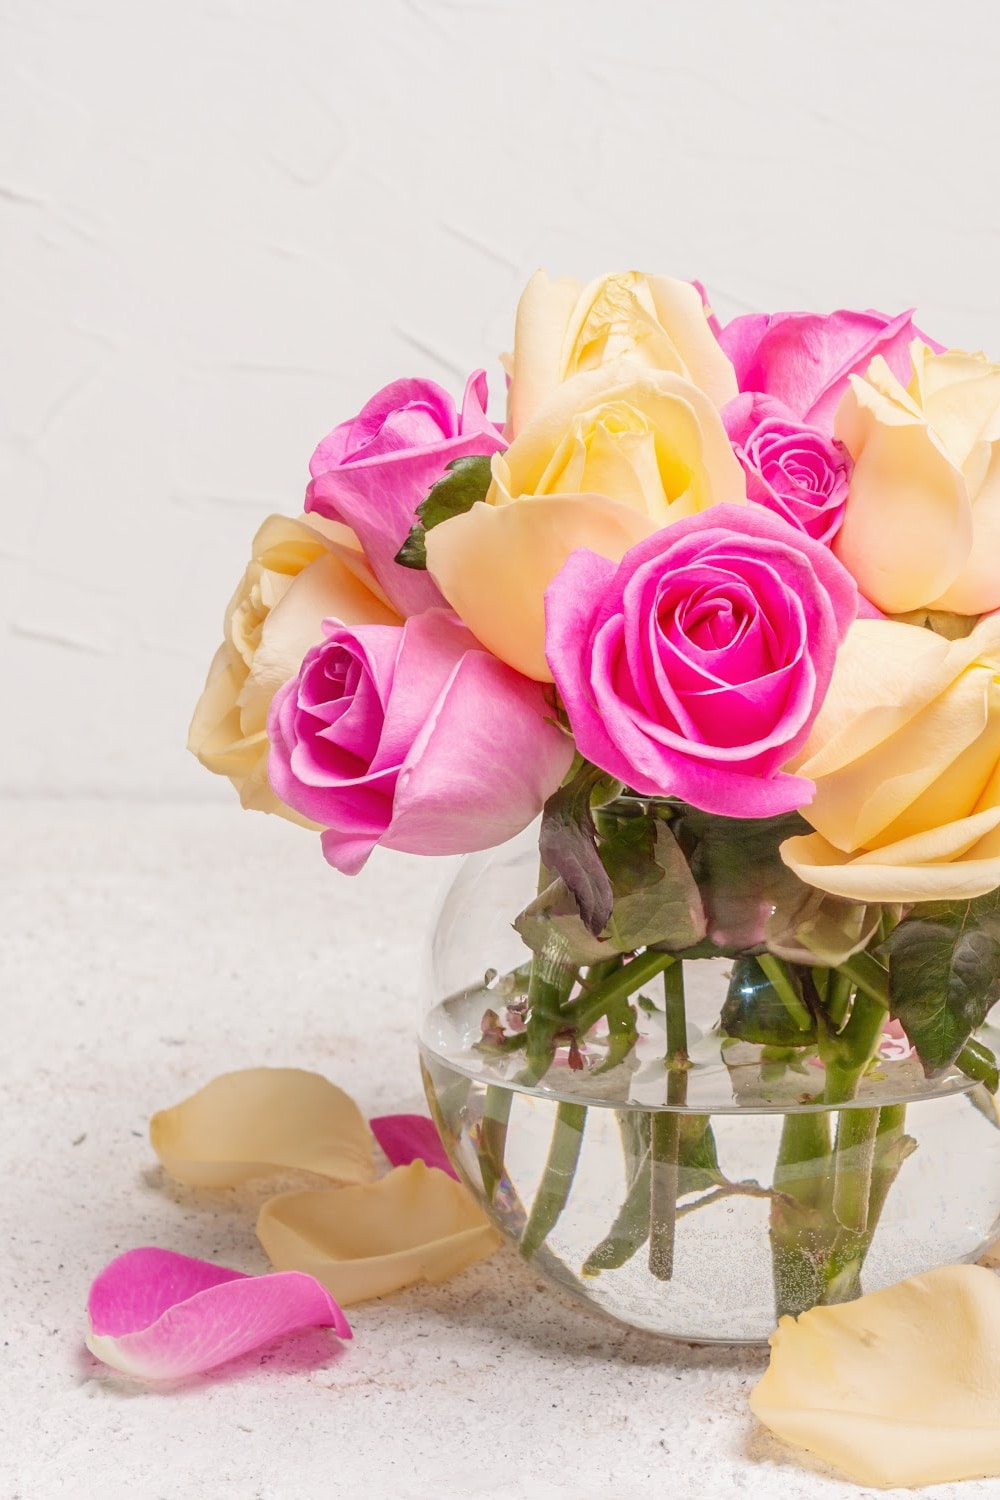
{"x": 901, "y": 1387}
{"x": 406, "y": 1138}
{"x": 259, "y": 1121}
{"x": 157, "y": 1315}
{"x": 415, "y": 1224}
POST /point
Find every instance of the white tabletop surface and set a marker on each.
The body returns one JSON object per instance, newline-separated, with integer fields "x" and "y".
{"x": 142, "y": 951}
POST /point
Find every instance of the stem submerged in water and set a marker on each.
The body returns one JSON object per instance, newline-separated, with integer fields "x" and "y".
{"x": 665, "y": 1132}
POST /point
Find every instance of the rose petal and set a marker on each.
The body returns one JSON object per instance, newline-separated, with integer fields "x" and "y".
{"x": 157, "y": 1315}
{"x": 413, "y": 1225}
{"x": 258, "y": 1121}
{"x": 406, "y": 1138}
{"x": 901, "y": 1387}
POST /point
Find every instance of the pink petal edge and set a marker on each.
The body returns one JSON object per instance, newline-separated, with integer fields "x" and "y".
{"x": 406, "y": 1138}
{"x": 158, "y": 1315}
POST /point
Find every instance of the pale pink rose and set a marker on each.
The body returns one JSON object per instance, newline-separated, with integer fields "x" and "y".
{"x": 793, "y": 469}
{"x": 696, "y": 666}
{"x": 413, "y": 737}
{"x": 805, "y": 359}
{"x": 372, "y": 472}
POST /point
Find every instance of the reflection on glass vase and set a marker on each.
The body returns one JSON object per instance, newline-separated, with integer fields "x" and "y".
{"x": 697, "y": 1141}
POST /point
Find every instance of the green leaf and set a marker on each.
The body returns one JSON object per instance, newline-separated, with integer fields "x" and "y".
{"x": 567, "y": 845}
{"x": 743, "y": 881}
{"x": 656, "y": 900}
{"x": 944, "y": 974}
{"x": 465, "y": 481}
{"x": 654, "y": 897}
{"x": 755, "y": 1012}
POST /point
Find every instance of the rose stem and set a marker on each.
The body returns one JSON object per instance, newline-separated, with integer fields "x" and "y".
{"x": 493, "y": 1137}
{"x": 557, "y": 1178}
{"x": 847, "y": 1055}
{"x": 777, "y": 976}
{"x": 582, "y": 1013}
{"x": 800, "y": 1177}
{"x": 665, "y": 1132}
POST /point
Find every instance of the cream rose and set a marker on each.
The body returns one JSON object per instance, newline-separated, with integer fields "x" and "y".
{"x": 905, "y": 755}
{"x": 922, "y": 523}
{"x": 564, "y": 328}
{"x": 300, "y": 572}
{"x": 612, "y": 456}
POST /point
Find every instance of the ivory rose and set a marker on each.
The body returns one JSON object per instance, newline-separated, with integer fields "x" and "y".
{"x": 696, "y": 667}
{"x": 414, "y": 738}
{"x": 373, "y": 471}
{"x": 922, "y": 524}
{"x": 564, "y": 327}
{"x": 300, "y": 571}
{"x": 905, "y": 754}
{"x": 806, "y": 359}
{"x": 612, "y": 456}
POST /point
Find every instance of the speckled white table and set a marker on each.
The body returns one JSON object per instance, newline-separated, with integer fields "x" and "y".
{"x": 141, "y": 952}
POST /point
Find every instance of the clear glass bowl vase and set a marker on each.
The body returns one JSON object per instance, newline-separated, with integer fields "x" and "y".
{"x": 697, "y": 1192}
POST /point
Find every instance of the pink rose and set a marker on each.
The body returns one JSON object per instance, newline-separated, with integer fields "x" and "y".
{"x": 794, "y": 470}
{"x": 697, "y": 665}
{"x": 372, "y": 472}
{"x": 414, "y": 737}
{"x": 805, "y": 359}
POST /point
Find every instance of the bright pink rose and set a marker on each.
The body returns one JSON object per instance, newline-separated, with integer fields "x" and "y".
{"x": 697, "y": 665}
{"x": 794, "y": 470}
{"x": 373, "y": 471}
{"x": 414, "y": 737}
{"x": 805, "y": 359}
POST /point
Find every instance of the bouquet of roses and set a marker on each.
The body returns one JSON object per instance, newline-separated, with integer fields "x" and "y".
{"x": 720, "y": 604}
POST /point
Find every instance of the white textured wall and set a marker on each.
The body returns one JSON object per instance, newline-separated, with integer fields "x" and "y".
{"x": 223, "y": 224}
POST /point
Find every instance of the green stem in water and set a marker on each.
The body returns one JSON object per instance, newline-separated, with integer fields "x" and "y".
{"x": 557, "y": 1178}
{"x": 854, "y": 1158}
{"x": 665, "y": 1132}
{"x": 780, "y": 982}
{"x": 582, "y": 1013}
{"x": 493, "y": 1137}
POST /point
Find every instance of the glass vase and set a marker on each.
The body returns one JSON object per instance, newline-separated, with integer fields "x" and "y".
{"x": 684, "y": 1179}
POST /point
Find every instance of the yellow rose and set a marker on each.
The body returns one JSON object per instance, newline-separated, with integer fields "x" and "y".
{"x": 905, "y": 754}
{"x": 922, "y": 524}
{"x": 564, "y": 328}
{"x": 300, "y": 573}
{"x": 611, "y": 457}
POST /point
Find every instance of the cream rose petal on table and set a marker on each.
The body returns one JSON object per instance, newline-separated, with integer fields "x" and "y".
{"x": 648, "y": 438}
{"x": 260, "y": 1121}
{"x": 905, "y": 757}
{"x": 921, "y": 527}
{"x": 564, "y": 327}
{"x": 901, "y": 1387}
{"x": 416, "y": 1224}
{"x": 301, "y": 571}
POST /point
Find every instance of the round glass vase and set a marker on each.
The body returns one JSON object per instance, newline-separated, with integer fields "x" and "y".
{"x": 680, "y": 1178}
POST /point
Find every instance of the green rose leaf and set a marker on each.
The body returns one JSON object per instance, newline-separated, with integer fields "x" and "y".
{"x": 567, "y": 845}
{"x": 656, "y": 900}
{"x": 465, "y": 481}
{"x": 944, "y": 974}
{"x": 754, "y": 1011}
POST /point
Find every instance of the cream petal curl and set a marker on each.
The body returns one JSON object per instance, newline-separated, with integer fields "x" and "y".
{"x": 415, "y": 1224}
{"x": 901, "y": 1387}
{"x": 260, "y": 1121}
{"x": 564, "y": 328}
{"x": 494, "y": 563}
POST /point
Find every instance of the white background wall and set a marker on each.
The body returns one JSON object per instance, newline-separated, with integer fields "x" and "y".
{"x": 224, "y": 224}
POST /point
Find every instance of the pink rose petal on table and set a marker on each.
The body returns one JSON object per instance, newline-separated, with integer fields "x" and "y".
{"x": 406, "y": 1138}
{"x": 158, "y": 1315}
